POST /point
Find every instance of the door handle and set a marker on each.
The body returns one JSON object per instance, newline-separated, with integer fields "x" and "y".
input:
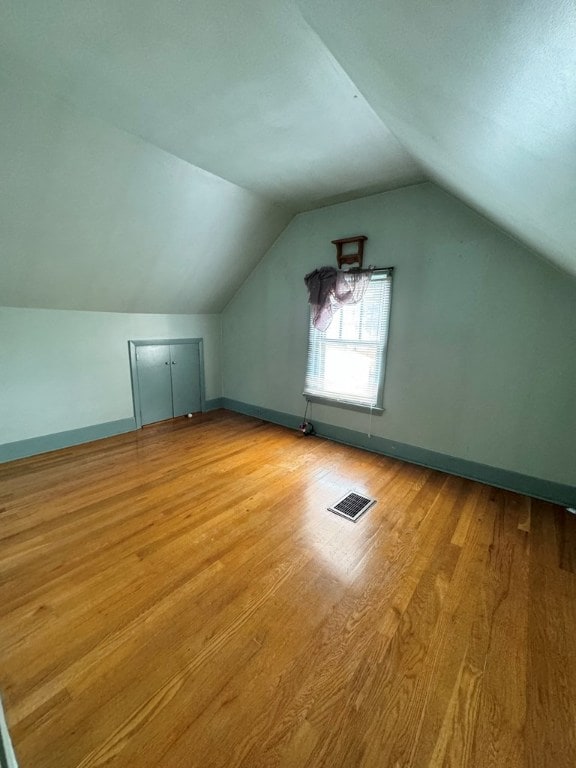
{"x": 173, "y": 363}
{"x": 166, "y": 363}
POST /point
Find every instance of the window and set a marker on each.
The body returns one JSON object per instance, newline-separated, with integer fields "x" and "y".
{"x": 346, "y": 361}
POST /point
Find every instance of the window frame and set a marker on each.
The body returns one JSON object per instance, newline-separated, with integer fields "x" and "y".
{"x": 378, "y": 407}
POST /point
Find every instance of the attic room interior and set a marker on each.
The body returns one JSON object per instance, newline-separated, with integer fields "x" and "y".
{"x": 179, "y": 419}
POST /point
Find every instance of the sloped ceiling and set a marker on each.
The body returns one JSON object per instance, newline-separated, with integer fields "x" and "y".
{"x": 244, "y": 90}
{"x": 482, "y": 94}
{"x": 153, "y": 151}
{"x": 94, "y": 218}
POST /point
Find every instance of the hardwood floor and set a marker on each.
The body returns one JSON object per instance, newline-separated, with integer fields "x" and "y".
{"x": 180, "y": 597}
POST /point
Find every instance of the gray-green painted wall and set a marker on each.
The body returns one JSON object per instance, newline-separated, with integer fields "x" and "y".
{"x": 482, "y": 353}
{"x": 64, "y": 370}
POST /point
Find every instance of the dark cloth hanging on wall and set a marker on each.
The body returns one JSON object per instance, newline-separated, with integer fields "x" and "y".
{"x": 329, "y": 289}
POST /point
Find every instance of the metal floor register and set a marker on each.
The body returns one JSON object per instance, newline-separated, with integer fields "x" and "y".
{"x": 352, "y": 505}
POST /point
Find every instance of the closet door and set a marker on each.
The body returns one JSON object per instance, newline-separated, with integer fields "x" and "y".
{"x": 154, "y": 383}
{"x": 185, "y": 365}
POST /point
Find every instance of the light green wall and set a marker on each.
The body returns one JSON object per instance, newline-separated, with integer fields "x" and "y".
{"x": 62, "y": 370}
{"x": 482, "y": 354}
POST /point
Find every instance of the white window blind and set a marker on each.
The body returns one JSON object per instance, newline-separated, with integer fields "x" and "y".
{"x": 346, "y": 361}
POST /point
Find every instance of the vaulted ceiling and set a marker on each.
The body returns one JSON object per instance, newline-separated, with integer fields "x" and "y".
{"x": 153, "y": 151}
{"x": 481, "y": 94}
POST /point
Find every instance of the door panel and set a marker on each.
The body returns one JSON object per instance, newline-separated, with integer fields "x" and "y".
{"x": 154, "y": 382}
{"x": 185, "y": 367}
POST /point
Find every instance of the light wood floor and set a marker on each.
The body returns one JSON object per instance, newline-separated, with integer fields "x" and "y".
{"x": 179, "y": 597}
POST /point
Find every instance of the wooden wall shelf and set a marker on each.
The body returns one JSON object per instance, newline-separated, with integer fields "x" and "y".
{"x": 353, "y": 256}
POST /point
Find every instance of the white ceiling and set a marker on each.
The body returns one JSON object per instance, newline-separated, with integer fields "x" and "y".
{"x": 138, "y": 134}
{"x": 244, "y": 90}
{"x": 94, "y": 218}
{"x": 482, "y": 94}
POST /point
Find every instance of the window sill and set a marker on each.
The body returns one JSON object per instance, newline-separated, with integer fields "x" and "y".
{"x": 343, "y": 404}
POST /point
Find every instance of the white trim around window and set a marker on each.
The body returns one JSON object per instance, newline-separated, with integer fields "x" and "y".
{"x": 346, "y": 362}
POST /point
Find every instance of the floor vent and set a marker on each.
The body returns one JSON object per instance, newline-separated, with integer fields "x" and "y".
{"x": 352, "y": 505}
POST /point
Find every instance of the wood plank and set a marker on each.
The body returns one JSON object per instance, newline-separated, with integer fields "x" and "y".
{"x": 181, "y": 596}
